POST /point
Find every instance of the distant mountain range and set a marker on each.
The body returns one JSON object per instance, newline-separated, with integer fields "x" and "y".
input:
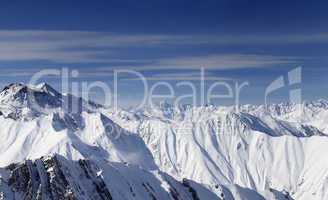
{"x": 51, "y": 148}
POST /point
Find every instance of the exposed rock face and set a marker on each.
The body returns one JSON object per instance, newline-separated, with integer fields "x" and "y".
{"x": 47, "y": 178}
{"x": 58, "y": 178}
{"x": 254, "y": 153}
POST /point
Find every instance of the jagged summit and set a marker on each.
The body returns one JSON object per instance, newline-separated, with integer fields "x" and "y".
{"x": 55, "y": 178}
{"x": 25, "y": 94}
{"x": 46, "y": 122}
{"x": 44, "y": 87}
{"x": 257, "y": 152}
{"x": 267, "y": 148}
{"x": 25, "y": 101}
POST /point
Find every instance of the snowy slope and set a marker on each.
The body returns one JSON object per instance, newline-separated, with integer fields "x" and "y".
{"x": 264, "y": 150}
{"x": 87, "y": 155}
{"x": 167, "y": 152}
{"x": 58, "y": 178}
{"x": 30, "y": 133}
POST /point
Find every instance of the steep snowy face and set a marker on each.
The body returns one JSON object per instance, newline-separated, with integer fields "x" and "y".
{"x": 28, "y": 133}
{"x": 17, "y": 100}
{"x": 312, "y": 113}
{"x": 94, "y": 157}
{"x": 28, "y": 102}
{"x": 55, "y": 177}
{"x": 58, "y": 178}
{"x": 265, "y": 150}
{"x": 273, "y": 152}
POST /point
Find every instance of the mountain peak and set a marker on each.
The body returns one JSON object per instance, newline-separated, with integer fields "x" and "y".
{"x": 18, "y": 98}
{"x": 45, "y": 87}
{"x": 13, "y": 87}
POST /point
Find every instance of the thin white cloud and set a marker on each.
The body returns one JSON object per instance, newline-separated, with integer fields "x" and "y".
{"x": 227, "y": 61}
{"x": 191, "y": 75}
{"x": 107, "y": 39}
{"x": 88, "y": 72}
{"x": 185, "y": 68}
{"x": 101, "y": 47}
{"x": 17, "y": 71}
{"x": 214, "y": 62}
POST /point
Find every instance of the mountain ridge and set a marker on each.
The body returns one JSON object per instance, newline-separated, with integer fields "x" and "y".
{"x": 258, "y": 153}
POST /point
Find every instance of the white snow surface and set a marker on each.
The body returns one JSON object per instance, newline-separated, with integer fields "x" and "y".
{"x": 255, "y": 152}
{"x": 265, "y": 149}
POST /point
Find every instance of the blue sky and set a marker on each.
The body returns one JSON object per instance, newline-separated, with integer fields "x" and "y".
{"x": 254, "y": 41}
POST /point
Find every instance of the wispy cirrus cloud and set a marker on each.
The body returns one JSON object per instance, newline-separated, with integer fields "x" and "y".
{"x": 191, "y": 75}
{"x": 187, "y": 64}
{"x": 226, "y": 61}
{"x": 89, "y": 38}
{"x": 66, "y": 47}
{"x": 214, "y": 62}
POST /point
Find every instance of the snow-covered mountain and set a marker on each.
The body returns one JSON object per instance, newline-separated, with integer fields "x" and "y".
{"x": 275, "y": 148}
{"x": 58, "y": 178}
{"x": 56, "y": 146}
{"x": 49, "y": 150}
